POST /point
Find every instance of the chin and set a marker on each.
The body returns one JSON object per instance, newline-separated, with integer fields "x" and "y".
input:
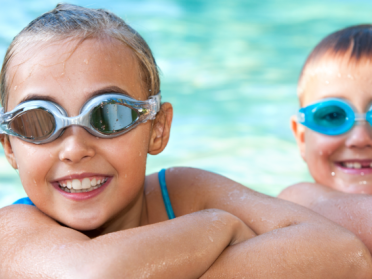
{"x": 83, "y": 223}
{"x": 355, "y": 187}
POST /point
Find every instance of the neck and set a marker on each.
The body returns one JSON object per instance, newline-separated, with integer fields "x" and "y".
{"x": 134, "y": 215}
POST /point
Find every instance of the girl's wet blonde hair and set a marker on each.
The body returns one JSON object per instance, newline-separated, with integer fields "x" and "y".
{"x": 68, "y": 21}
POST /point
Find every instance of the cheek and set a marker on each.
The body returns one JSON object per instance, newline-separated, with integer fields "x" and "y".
{"x": 33, "y": 163}
{"x": 319, "y": 152}
{"x": 128, "y": 153}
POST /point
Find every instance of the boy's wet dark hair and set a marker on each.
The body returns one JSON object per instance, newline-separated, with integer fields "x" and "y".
{"x": 353, "y": 43}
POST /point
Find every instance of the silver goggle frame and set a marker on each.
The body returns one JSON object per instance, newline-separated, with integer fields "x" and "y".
{"x": 146, "y": 110}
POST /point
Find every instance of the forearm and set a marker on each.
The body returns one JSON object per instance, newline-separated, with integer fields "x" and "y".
{"x": 300, "y": 251}
{"x": 181, "y": 248}
{"x": 184, "y": 248}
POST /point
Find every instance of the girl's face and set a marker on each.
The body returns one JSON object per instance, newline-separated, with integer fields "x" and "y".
{"x": 341, "y": 162}
{"x": 69, "y": 73}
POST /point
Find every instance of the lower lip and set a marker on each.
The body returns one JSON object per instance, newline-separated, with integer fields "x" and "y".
{"x": 362, "y": 171}
{"x": 83, "y": 195}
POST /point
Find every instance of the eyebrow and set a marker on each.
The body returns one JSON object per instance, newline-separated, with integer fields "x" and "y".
{"x": 108, "y": 89}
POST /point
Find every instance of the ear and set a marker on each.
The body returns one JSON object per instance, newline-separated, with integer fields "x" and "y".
{"x": 161, "y": 129}
{"x": 8, "y": 151}
{"x": 299, "y": 133}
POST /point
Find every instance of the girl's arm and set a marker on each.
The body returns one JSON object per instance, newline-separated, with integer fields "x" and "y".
{"x": 352, "y": 211}
{"x": 292, "y": 241}
{"x": 34, "y": 246}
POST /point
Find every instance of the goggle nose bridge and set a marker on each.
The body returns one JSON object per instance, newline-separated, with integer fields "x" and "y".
{"x": 79, "y": 120}
{"x": 360, "y": 117}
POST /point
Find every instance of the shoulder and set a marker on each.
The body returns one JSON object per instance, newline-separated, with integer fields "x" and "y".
{"x": 305, "y": 193}
{"x": 192, "y": 189}
{"x": 184, "y": 187}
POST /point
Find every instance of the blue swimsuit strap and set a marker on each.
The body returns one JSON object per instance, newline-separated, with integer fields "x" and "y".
{"x": 24, "y": 201}
{"x": 164, "y": 193}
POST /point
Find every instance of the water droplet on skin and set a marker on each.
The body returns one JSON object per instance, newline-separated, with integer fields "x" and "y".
{"x": 86, "y": 61}
{"x": 333, "y": 174}
{"x": 15, "y": 87}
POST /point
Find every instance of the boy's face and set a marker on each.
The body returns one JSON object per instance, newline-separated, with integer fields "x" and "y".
{"x": 341, "y": 162}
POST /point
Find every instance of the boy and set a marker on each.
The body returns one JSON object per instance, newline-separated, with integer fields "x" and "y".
{"x": 333, "y": 130}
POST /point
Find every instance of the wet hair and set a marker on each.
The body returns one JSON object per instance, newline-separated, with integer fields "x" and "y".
{"x": 67, "y": 21}
{"x": 353, "y": 43}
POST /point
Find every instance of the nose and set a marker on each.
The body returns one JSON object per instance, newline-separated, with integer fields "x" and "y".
{"x": 76, "y": 145}
{"x": 360, "y": 136}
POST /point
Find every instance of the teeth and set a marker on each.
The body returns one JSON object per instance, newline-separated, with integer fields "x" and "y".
{"x": 350, "y": 165}
{"x": 85, "y": 184}
{"x": 76, "y": 184}
{"x": 93, "y": 182}
{"x": 357, "y": 166}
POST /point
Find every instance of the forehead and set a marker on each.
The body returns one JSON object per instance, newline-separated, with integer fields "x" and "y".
{"x": 70, "y": 70}
{"x": 336, "y": 77}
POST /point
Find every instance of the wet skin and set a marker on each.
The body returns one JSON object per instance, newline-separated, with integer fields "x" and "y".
{"x": 69, "y": 77}
{"x": 324, "y": 154}
{"x": 341, "y": 193}
{"x": 222, "y": 229}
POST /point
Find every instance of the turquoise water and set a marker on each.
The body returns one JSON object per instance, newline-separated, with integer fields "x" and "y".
{"x": 230, "y": 70}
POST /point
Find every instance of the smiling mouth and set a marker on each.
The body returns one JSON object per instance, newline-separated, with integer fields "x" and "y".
{"x": 356, "y": 164}
{"x": 82, "y": 185}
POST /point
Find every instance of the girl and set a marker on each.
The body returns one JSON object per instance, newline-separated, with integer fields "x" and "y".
{"x": 81, "y": 98}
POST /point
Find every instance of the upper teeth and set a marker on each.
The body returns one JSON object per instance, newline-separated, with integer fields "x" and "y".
{"x": 86, "y": 183}
{"x": 355, "y": 165}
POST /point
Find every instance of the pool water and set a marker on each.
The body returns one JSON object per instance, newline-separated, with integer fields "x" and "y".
{"x": 230, "y": 70}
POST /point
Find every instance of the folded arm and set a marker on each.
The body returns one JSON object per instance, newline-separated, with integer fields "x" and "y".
{"x": 352, "y": 211}
{"x": 34, "y": 246}
{"x": 291, "y": 241}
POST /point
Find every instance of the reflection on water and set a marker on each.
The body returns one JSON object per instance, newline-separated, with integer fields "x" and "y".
{"x": 230, "y": 70}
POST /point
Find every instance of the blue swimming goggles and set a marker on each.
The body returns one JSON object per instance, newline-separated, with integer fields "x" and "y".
{"x": 105, "y": 116}
{"x": 332, "y": 116}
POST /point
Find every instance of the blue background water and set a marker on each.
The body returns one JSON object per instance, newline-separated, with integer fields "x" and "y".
{"x": 230, "y": 70}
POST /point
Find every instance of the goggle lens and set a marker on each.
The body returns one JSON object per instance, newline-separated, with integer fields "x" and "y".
{"x": 35, "y": 124}
{"x": 330, "y": 116}
{"x": 112, "y": 118}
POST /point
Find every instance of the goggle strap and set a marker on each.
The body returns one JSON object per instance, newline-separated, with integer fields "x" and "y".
{"x": 2, "y": 120}
{"x": 300, "y": 117}
{"x": 155, "y": 105}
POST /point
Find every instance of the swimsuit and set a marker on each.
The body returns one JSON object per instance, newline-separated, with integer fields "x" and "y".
{"x": 164, "y": 193}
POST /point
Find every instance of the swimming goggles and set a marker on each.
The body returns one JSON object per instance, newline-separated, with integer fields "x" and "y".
{"x": 105, "y": 116}
{"x": 332, "y": 116}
